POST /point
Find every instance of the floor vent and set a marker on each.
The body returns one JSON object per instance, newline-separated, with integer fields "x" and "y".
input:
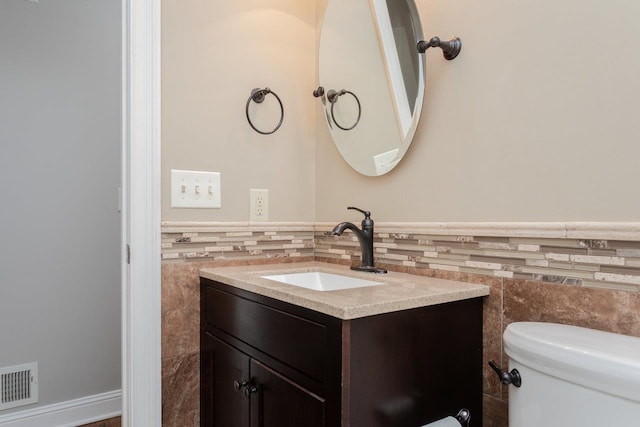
{"x": 18, "y": 385}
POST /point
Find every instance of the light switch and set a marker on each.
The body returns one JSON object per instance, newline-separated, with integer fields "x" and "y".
{"x": 188, "y": 189}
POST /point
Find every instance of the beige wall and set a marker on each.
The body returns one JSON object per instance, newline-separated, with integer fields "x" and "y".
{"x": 536, "y": 120}
{"x": 213, "y": 54}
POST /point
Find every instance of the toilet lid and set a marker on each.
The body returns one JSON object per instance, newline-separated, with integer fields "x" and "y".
{"x": 600, "y": 360}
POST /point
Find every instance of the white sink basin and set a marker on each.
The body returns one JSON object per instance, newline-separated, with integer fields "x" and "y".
{"x": 320, "y": 281}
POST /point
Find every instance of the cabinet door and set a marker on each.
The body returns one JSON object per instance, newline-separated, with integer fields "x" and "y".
{"x": 221, "y": 366}
{"x": 278, "y": 402}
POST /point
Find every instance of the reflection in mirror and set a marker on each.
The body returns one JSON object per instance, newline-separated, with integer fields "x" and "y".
{"x": 333, "y": 97}
{"x": 396, "y": 37}
{"x": 368, "y": 47}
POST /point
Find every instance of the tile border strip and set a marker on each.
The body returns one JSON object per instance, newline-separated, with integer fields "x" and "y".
{"x": 568, "y": 230}
{"x": 562, "y": 230}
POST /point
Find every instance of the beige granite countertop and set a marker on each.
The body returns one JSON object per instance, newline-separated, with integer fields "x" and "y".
{"x": 400, "y": 291}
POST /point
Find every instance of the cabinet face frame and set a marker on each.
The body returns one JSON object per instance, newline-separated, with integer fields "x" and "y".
{"x": 221, "y": 365}
{"x": 274, "y": 400}
{"x": 280, "y": 402}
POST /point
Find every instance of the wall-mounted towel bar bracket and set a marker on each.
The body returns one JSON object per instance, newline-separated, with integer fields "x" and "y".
{"x": 464, "y": 417}
{"x": 450, "y": 49}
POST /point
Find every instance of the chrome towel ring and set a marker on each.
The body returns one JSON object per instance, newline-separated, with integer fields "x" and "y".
{"x": 333, "y": 96}
{"x": 257, "y": 96}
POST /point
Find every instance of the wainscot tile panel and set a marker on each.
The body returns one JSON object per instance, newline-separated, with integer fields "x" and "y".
{"x": 186, "y": 248}
{"x": 585, "y": 274}
{"x": 181, "y": 391}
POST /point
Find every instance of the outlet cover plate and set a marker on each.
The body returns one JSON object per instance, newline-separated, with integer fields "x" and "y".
{"x": 258, "y": 205}
{"x": 195, "y": 189}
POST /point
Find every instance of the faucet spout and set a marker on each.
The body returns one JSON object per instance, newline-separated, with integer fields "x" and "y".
{"x": 365, "y": 238}
{"x": 340, "y": 228}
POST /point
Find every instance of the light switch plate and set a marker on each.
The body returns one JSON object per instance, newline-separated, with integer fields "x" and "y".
{"x": 195, "y": 189}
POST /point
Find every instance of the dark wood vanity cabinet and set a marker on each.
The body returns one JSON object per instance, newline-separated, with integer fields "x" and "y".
{"x": 266, "y": 363}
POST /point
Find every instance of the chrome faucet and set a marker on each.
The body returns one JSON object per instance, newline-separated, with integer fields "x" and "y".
{"x": 365, "y": 237}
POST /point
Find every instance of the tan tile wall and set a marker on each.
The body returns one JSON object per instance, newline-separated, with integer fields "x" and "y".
{"x": 542, "y": 275}
{"x": 186, "y": 248}
{"x": 585, "y": 276}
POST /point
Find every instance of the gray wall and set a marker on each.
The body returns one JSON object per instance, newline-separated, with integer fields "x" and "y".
{"x": 60, "y": 169}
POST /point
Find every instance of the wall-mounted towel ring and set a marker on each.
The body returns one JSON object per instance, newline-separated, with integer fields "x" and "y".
{"x": 257, "y": 96}
{"x": 450, "y": 49}
{"x": 333, "y": 97}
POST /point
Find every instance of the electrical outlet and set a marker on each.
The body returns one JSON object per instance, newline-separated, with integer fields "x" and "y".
{"x": 258, "y": 205}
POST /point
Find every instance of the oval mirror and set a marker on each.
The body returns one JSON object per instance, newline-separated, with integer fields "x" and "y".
{"x": 368, "y": 57}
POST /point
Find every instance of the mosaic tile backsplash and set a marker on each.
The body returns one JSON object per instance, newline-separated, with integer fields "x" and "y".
{"x": 612, "y": 264}
{"x": 234, "y": 241}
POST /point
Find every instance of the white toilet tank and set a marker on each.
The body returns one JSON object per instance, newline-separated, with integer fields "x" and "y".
{"x": 572, "y": 376}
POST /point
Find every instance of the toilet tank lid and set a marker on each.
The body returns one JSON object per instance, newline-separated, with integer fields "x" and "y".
{"x": 599, "y": 360}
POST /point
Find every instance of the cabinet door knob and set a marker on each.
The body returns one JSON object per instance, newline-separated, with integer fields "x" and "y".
{"x": 238, "y": 385}
{"x": 249, "y": 390}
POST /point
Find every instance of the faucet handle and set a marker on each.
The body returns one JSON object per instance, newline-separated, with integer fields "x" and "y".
{"x": 367, "y": 214}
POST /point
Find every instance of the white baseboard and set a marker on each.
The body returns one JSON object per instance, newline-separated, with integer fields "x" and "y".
{"x": 71, "y": 413}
